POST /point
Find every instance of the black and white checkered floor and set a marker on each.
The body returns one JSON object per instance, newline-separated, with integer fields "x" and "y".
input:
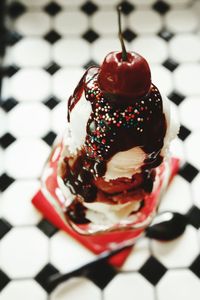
{"x": 49, "y": 45}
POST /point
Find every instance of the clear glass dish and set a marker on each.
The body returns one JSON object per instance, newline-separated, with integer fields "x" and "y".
{"x": 135, "y": 223}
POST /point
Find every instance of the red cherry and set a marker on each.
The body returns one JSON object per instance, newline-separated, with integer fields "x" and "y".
{"x": 124, "y": 73}
{"x": 130, "y": 78}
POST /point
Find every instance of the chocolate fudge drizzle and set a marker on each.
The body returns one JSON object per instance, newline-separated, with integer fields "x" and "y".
{"x": 115, "y": 126}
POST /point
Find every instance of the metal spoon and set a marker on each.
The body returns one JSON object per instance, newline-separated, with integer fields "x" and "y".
{"x": 166, "y": 226}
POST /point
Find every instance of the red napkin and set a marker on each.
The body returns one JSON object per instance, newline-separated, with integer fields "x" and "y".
{"x": 95, "y": 243}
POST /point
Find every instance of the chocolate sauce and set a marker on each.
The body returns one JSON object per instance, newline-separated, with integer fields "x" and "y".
{"x": 76, "y": 212}
{"x": 113, "y": 127}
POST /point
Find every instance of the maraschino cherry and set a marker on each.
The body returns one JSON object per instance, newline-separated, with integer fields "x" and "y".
{"x": 125, "y": 74}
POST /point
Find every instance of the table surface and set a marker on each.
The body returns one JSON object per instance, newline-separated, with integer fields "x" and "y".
{"x": 50, "y": 45}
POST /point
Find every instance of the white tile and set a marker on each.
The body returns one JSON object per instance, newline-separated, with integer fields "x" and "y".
{"x": 138, "y": 256}
{"x": 109, "y": 24}
{"x": 181, "y": 20}
{"x": 65, "y": 81}
{"x": 103, "y": 46}
{"x": 153, "y": 48}
{"x": 189, "y": 112}
{"x": 31, "y": 52}
{"x": 128, "y": 286}
{"x": 72, "y": 52}
{"x": 186, "y": 79}
{"x": 35, "y": 3}
{"x": 106, "y": 2}
{"x": 196, "y": 190}
{"x": 33, "y": 23}
{"x": 23, "y": 289}
{"x": 179, "y": 285}
{"x": 178, "y": 2}
{"x": 185, "y": 48}
{"x": 177, "y": 197}
{"x": 29, "y": 119}
{"x": 30, "y": 84}
{"x": 192, "y": 147}
{"x": 25, "y": 158}
{"x": 5, "y": 89}
{"x": 66, "y": 253}
{"x": 196, "y": 8}
{"x": 161, "y": 77}
{"x": 177, "y": 150}
{"x": 23, "y": 252}
{"x": 3, "y": 122}
{"x": 70, "y": 22}
{"x": 152, "y": 23}
{"x": 16, "y": 206}
{"x": 142, "y": 2}
{"x": 77, "y": 288}
{"x": 1, "y": 162}
{"x": 59, "y": 118}
{"x": 70, "y": 3}
{"x": 170, "y": 253}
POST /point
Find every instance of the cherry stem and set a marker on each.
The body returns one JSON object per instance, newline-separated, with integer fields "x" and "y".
{"x": 124, "y": 52}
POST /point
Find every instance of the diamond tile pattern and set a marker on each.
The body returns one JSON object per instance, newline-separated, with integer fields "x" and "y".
{"x": 179, "y": 72}
{"x": 161, "y": 6}
{"x": 43, "y": 276}
{"x": 52, "y": 8}
{"x": 6, "y": 140}
{"x": 4, "y": 280}
{"x": 184, "y": 132}
{"x": 90, "y": 36}
{"x": 153, "y": 270}
{"x": 170, "y": 65}
{"x": 4, "y": 227}
{"x": 5, "y": 181}
{"x": 188, "y": 172}
{"x": 89, "y": 8}
{"x": 8, "y": 104}
{"x": 47, "y": 228}
{"x": 52, "y": 36}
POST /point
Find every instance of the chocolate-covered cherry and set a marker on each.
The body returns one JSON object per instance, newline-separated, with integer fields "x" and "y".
{"x": 124, "y": 73}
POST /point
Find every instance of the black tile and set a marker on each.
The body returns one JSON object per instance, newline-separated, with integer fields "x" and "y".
{"x": 176, "y": 97}
{"x": 5, "y": 181}
{"x": 101, "y": 274}
{"x": 89, "y": 8}
{"x": 11, "y": 70}
{"x": 90, "y": 63}
{"x": 52, "y": 8}
{"x": 193, "y": 216}
{"x": 51, "y": 102}
{"x": 13, "y": 37}
{"x": 47, "y": 228}
{"x": 165, "y": 35}
{"x": 129, "y": 35}
{"x": 152, "y": 270}
{"x": 8, "y": 104}
{"x": 170, "y": 64}
{"x": 6, "y": 140}
{"x": 90, "y": 36}
{"x": 15, "y": 9}
{"x": 49, "y": 138}
{"x": 126, "y": 7}
{"x": 195, "y": 266}
{"x": 52, "y": 36}
{"x": 4, "y": 227}
{"x": 4, "y": 280}
{"x": 161, "y": 6}
{"x": 52, "y": 68}
{"x": 183, "y": 132}
{"x": 43, "y": 276}
{"x": 188, "y": 172}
